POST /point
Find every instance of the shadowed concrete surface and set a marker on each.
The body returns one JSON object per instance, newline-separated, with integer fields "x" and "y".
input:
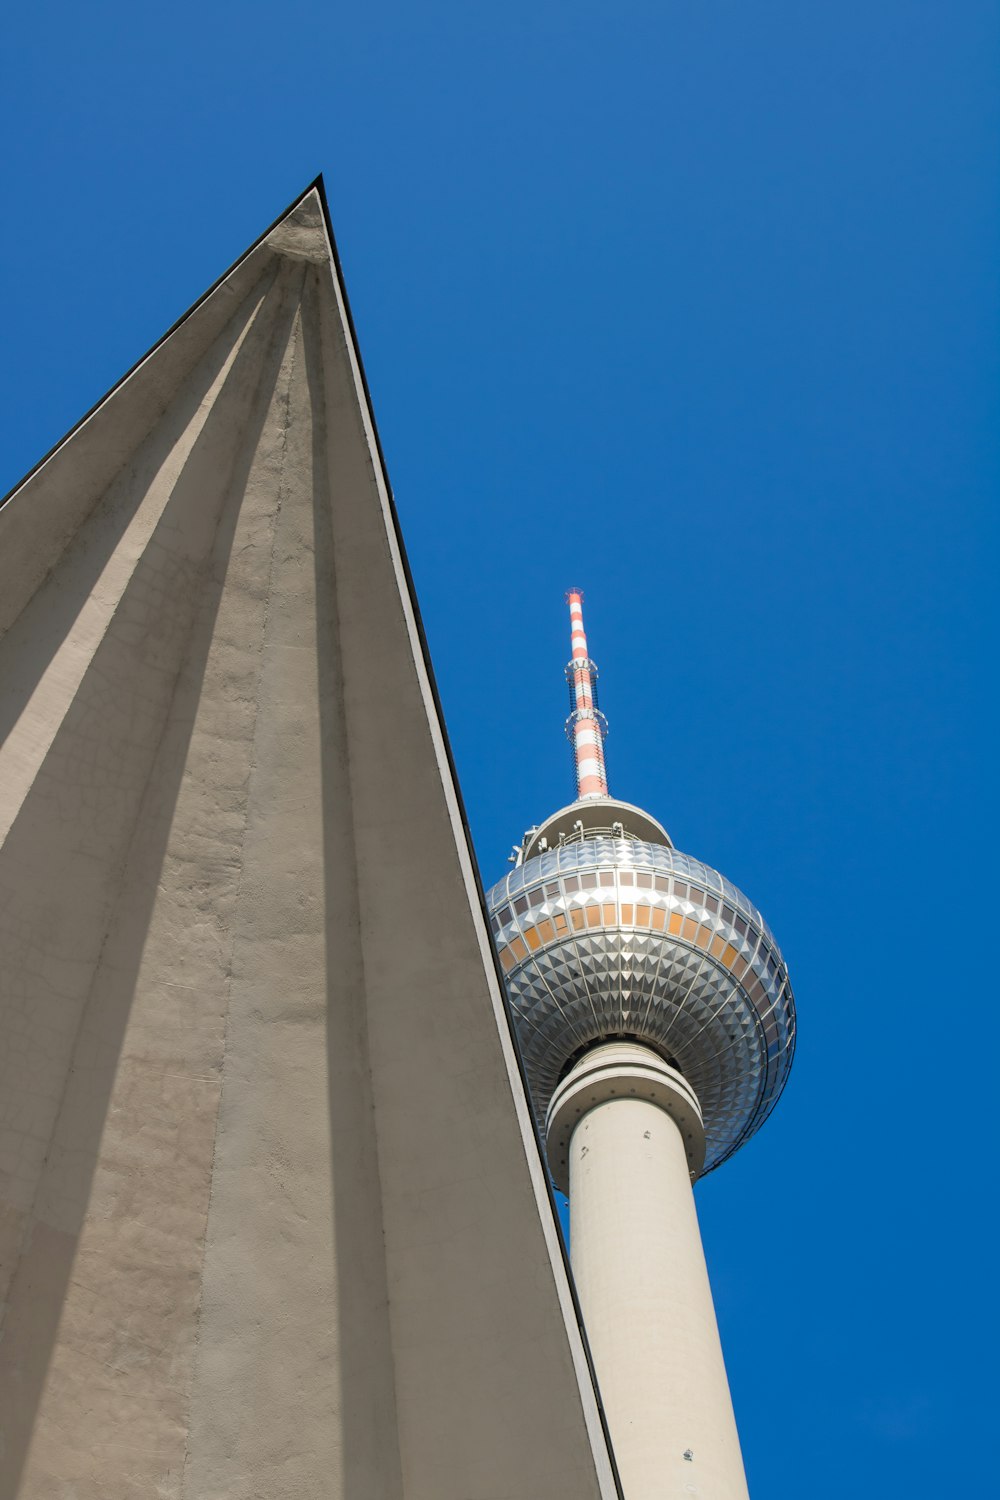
{"x": 272, "y": 1218}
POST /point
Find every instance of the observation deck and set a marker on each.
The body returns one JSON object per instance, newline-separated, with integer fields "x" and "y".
{"x": 610, "y": 936}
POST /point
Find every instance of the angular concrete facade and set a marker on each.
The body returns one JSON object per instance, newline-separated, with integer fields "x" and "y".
{"x": 273, "y": 1220}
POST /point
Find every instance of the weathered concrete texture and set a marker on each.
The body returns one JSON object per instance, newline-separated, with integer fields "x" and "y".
{"x": 272, "y": 1219}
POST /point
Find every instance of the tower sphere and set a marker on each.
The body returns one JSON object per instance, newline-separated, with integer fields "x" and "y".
{"x": 606, "y": 932}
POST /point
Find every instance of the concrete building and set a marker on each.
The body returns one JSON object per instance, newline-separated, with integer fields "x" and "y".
{"x": 275, "y": 1217}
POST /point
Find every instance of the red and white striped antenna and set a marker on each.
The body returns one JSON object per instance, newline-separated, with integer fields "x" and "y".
{"x": 586, "y": 726}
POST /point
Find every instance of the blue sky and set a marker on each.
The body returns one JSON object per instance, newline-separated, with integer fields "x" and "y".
{"x": 694, "y": 305}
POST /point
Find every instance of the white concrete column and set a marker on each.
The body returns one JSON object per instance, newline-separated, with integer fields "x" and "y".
{"x": 625, "y": 1139}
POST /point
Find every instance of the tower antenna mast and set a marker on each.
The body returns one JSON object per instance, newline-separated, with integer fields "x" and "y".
{"x": 586, "y": 726}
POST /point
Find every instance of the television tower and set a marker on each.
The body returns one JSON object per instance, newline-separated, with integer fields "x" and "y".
{"x": 656, "y": 1023}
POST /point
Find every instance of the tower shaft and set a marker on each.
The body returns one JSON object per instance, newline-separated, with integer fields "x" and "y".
{"x": 641, "y": 1277}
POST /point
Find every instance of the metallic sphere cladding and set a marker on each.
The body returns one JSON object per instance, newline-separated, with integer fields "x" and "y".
{"x": 604, "y": 938}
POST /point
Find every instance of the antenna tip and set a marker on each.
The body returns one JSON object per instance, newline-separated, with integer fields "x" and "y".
{"x": 574, "y": 594}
